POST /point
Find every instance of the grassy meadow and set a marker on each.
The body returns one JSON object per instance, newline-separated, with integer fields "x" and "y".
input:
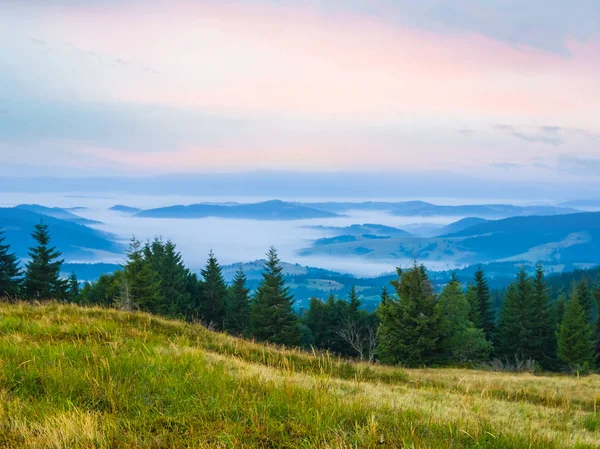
{"x": 73, "y": 377}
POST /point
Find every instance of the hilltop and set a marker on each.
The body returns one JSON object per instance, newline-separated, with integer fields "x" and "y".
{"x": 90, "y": 377}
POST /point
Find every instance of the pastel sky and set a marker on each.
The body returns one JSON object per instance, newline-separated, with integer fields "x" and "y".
{"x": 506, "y": 89}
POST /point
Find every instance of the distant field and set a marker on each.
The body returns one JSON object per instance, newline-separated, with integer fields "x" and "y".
{"x": 74, "y": 377}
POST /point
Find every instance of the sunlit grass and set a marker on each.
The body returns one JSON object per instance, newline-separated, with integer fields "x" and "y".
{"x": 75, "y": 377}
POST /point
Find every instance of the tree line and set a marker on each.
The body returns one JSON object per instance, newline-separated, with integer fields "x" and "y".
{"x": 413, "y": 326}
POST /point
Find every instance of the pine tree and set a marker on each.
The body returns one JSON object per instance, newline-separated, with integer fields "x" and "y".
{"x": 140, "y": 285}
{"x": 575, "y": 345}
{"x": 543, "y": 341}
{"x": 42, "y": 277}
{"x": 515, "y": 327}
{"x": 586, "y": 299}
{"x": 73, "y": 289}
{"x": 272, "y": 317}
{"x": 487, "y": 320}
{"x": 10, "y": 273}
{"x": 238, "y": 305}
{"x": 408, "y": 329}
{"x": 214, "y": 293}
{"x": 597, "y": 336}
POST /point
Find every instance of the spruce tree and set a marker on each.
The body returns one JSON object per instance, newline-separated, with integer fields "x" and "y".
{"x": 42, "y": 276}
{"x": 73, "y": 289}
{"x": 543, "y": 341}
{"x": 272, "y": 317}
{"x": 354, "y": 301}
{"x": 514, "y": 337}
{"x": 597, "y": 335}
{"x": 471, "y": 297}
{"x": 408, "y": 329}
{"x": 575, "y": 345}
{"x": 214, "y": 293}
{"x": 460, "y": 340}
{"x": 238, "y": 305}
{"x": 140, "y": 285}
{"x": 487, "y": 320}
{"x": 10, "y": 273}
{"x": 586, "y": 299}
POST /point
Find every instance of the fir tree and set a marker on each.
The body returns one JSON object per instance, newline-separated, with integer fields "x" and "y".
{"x": 408, "y": 330}
{"x": 542, "y": 340}
{"x": 459, "y": 339}
{"x": 514, "y": 339}
{"x": 272, "y": 317}
{"x": 214, "y": 293}
{"x": 486, "y": 312}
{"x": 471, "y": 297}
{"x": 42, "y": 277}
{"x": 354, "y": 301}
{"x": 238, "y": 305}
{"x": 73, "y": 289}
{"x": 575, "y": 345}
{"x": 597, "y": 336}
{"x": 140, "y": 285}
{"x": 586, "y": 299}
{"x": 10, "y": 273}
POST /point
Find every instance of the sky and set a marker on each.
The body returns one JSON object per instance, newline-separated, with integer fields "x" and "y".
{"x": 504, "y": 90}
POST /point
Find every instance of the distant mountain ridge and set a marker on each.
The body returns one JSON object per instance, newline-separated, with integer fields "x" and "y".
{"x": 425, "y": 209}
{"x": 267, "y": 210}
{"x": 57, "y": 212}
{"x": 556, "y": 239}
{"x": 74, "y": 240}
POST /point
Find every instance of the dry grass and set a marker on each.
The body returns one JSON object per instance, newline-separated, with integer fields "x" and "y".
{"x": 75, "y": 377}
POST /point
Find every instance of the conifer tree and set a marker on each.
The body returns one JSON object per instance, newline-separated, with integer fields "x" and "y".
{"x": 272, "y": 317}
{"x": 515, "y": 327}
{"x": 214, "y": 293}
{"x": 73, "y": 288}
{"x": 597, "y": 336}
{"x": 238, "y": 305}
{"x": 42, "y": 277}
{"x": 140, "y": 285}
{"x": 408, "y": 329}
{"x": 586, "y": 299}
{"x": 487, "y": 320}
{"x": 575, "y": 345}
{"x": 543, "y": 341}
{"x": 471, "y": 297}
{"x": 10, "y": 273}
{"x": 459, "y": 339}
{"x": 354, "y": 301}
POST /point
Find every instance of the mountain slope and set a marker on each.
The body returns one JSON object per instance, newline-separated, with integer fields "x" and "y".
{"x": 56, "y": 212}
{"x": 557, "y": 239}
{"x": 76, "y": 377}
{"x": 75, "y": 241}
{"x": 267, "y": 210}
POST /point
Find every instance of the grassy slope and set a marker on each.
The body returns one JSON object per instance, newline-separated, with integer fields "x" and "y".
{"x": 86, "y": 377}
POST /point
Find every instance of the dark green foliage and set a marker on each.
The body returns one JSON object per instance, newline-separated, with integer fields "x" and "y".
{"x": 515, "y": 329}
{"x": 471, "y": 297}
{"x": 106, "y": 291}
{"x": 272, "y": 317}
{"x": 214, "y": 293}
{"x": 408, "y": 330}
{"x": 543, "y": 339}
{"x": 73, "y": 292}
{"x": 575, "y": 345}
{"x": 140, "y": 285}
{"x": 586, "y": 299}
{"x": 353, "y": 301}
{"x": 597, "y": 330}
{"x": 42, "y": 277}
{"x": 10, "y": 273}
{"x": 238, "y": 305}
{"x": 167, "y": 262}
{"x": 487, "y": 320}
{"x": 459, "y": 339}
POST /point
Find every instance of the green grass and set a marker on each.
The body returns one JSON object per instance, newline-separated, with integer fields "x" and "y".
{"x": 74, "y": 377}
